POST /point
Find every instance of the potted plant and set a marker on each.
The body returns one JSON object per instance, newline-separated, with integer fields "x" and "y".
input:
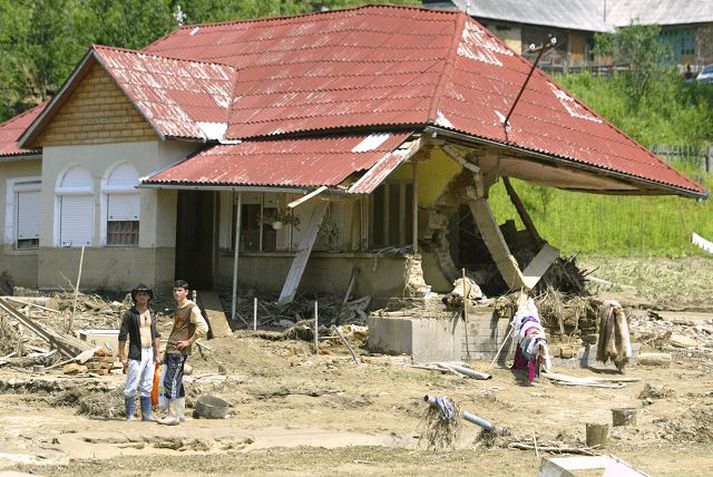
{"x": 276, "y": 218}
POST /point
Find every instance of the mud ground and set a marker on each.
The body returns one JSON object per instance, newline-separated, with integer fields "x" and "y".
{"x": 293, "y": 413}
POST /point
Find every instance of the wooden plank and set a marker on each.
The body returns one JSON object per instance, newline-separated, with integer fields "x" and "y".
{"x": 300, "y": 262}
{"x": 522, "y": 212}
{"x": 213, "y": 308}
{"x": 539, "y": 265}
{"x": 306, "y": 197}
{"x": 494, "y": 240}
{"x": 67, "y": 345}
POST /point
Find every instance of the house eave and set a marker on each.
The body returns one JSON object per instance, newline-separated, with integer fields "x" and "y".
{"x": 467, "y": 139}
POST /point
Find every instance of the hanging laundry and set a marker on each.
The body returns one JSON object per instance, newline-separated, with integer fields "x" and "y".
{"x": 531, "y": 351}
{"x": 614, "y": 341}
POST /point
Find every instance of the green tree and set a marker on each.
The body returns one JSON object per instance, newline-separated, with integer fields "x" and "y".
{"x": 639, "y": 47}
{"x": 40, "y": 43}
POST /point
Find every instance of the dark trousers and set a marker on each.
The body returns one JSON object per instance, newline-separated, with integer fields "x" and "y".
{"x": 173, "y": 382}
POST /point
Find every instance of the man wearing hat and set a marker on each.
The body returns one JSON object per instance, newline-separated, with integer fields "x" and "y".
{"x": 139, "y": 323}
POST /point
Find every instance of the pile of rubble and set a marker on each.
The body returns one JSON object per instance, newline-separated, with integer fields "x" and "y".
{"x": 331, "y": 310}
{"x": 677, "y": 334}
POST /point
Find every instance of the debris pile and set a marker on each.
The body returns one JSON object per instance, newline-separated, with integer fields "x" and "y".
{"x": 332, "y": 310}
{"x": 660, "y": 334}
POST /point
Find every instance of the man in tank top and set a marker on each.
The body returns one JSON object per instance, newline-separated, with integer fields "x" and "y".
{"x": 188, "y": 326}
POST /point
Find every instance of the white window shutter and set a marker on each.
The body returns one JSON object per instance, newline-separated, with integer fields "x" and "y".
{"x": 28, "y": 215}
{"x": 76, "y": 220}
{"x": 122, "y": 207}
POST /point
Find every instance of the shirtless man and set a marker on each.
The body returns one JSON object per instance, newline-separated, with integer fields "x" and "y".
{"x": 188, "y": 326}
{"x": 139, "y": 323}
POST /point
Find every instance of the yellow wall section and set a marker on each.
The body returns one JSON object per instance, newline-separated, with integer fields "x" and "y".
{"x": 96, "y": 112}
{"x": 433, "y": 176}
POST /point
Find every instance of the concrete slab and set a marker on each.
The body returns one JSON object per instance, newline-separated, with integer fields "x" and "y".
{"x": 594, "y": 466}
{"x": 438, "y": 337}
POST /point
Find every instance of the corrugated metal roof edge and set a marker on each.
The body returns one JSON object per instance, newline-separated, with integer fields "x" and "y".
{"x": 96, "y": 46}
{"x": 563, "y": 26}
{"x": 28, "y": 152}
{"x": 301, "y": 15}
{"x": 470, "y": 139}
{"x": 606, "y": 121}
{"x": 72, "y": 81}
{"x": 34, "y": 154}
{"x": 79, "y": 71}
{"x": 351, "y": 130}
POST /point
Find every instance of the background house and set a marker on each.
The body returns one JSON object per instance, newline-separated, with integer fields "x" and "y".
{"x": 686, "y": 26}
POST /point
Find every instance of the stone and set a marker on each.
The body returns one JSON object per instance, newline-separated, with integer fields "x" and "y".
{"x": 655, "y": 359}
{"x": 567, "y": 352}
{"x": 74, "y": 368}
{"x": 591, "y": 339}
{"x": 681, "y": 341}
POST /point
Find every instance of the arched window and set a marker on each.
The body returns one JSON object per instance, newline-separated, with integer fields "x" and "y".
{"x": 75, "y": 193}
{"x": 122, "y": 206}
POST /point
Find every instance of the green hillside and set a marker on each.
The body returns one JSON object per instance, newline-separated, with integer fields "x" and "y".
{"x": 671, "y": 112}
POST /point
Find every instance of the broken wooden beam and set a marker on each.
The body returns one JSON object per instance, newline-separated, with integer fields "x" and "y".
{"x": 67, "y": 345}
{"x": 495, "y": 242}
{"x": 294, "y": 276}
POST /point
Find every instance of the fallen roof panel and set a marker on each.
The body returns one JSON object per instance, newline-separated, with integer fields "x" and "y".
{"x": 324, "y": 161}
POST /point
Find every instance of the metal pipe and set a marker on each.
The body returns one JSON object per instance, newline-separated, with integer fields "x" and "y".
{"x": 472, "y": 418}
{"x": 478, "y": 421}
{"x": 541, "y": 49}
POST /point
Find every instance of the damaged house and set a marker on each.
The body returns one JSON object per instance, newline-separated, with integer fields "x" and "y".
{"x": 294, "y": 153}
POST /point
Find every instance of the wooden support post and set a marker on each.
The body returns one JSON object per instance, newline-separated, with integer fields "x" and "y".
{"x": 316, "y": 327}
{"x": 524, "y": 216}
{"x": 466, "y": 289}
{"x": 236, "y": 245}
{"x": 495, "y": 242}
{"x": 255, "y": 314}
{"x": 76, "y": 291}
{"x": 415, "y": 206}
{"x": 262, "y": 212}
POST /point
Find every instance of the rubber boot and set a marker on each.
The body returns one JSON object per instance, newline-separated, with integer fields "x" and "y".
{"x": 146, "y": 409}
{"x": 129, "y": 407}
{"x": 181, "y": 409}
{"x": 171, "y": 419}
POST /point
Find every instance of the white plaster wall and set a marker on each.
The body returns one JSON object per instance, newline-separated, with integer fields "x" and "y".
{"x": 158, "y": 208}
{"x": 20, "y": 264}
{"x": 12, "y": 170}
{"x": 97, "y": 159}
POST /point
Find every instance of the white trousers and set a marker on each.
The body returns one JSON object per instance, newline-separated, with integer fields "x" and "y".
{"x": 140, "y": 374}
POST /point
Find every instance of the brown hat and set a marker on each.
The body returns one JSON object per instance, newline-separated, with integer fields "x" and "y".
{"x": 141, "y": 288}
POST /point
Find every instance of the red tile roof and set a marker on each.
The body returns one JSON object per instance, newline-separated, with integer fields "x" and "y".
{"x": 368, "y": 68}
{"x": 381, "y": 66}
{"x": 283, "y": 162}
{"x": 11, "y": 130}
{"x": 179, "y": 98}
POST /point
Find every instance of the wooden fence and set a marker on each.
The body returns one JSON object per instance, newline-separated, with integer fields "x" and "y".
{"x": 701, "y": 157}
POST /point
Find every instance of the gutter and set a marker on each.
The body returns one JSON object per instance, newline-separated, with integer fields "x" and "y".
{"x": 172, "y": 186}
{"x": 470, "y": 140}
